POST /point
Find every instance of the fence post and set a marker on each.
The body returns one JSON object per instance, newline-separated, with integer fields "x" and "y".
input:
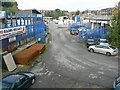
{"x": 20, "y": 19}
{"x": 11, "y": 21}
{"x": 27, "y": 19}
{"x": 16, "y": 19}
{"x": 24, "y": 19}
{"x": 16, "y": 16}
{"x": 5, "y": 18}
{"x": 30, "y": 19}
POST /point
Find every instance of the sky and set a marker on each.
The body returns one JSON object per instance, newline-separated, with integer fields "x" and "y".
{"x": 70, "y": 5}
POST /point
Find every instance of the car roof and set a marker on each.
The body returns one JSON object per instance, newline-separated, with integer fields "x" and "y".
{"x": 90, "y": 40}
{"x": 12, "y": 78}
{"x": 103, "y": 45}
{"x": 102, "y": 39}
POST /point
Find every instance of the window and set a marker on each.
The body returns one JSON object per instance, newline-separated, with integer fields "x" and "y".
{"x": 112, "y": 47}
{"x": 22, "y": 80}
{"x": 16, "y": 84}
{"x": 105, "y": 47}
{"x": 99, "y": 46}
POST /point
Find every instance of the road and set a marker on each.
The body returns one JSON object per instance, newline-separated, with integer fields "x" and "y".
{"x": 67, "y": 64}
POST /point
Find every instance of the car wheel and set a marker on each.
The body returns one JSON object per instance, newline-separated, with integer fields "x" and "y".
{"x": 87, "y": 46}
{"x": 108, "y": 54}
{"x": 33, "y": 81}
{"x": 91, "y": 50}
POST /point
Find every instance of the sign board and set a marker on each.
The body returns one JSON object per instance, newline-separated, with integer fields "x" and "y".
{"x": 9, "y": 62}
{"x": 14, "y": 30}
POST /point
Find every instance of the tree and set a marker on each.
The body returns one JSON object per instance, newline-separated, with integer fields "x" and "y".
{"x": 55, "y": 14}
{"x": 77, "y": 12}
{"x": 114, "y": 31}
{"x": 119, "y": 26}
{"x": 10, "y": 7}
{"x": 48, "y": 14}
{"x": 58, "y": 13}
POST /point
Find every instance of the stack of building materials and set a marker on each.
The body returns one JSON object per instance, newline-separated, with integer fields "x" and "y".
{"x": 23, "y": 57}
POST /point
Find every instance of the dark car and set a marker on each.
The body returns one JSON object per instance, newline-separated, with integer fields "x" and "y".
{"x": 116, "y": 83}
{"x": 90, "y": 42}
{"x": 18, "y": 81}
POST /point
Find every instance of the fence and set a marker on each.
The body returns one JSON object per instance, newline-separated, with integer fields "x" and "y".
{"x": 77, "y": 26}
{"x": 96, "y": 34}
{"x": 20, "y": 29}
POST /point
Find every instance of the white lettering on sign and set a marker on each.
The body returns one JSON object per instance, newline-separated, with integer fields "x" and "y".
{"x": 14, "y": 30}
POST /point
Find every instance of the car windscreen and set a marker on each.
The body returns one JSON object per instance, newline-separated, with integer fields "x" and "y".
{"x": 112, "y": 47}
{"x": 103, "y": 41}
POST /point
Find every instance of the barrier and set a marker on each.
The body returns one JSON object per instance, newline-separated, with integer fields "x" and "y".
{"x": 77, "y": 26}
{"x": 96, "y": 34}
{"x": 21, "y": 29}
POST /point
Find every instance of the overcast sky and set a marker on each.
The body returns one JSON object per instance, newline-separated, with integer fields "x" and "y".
{"x": 70, "y": 5}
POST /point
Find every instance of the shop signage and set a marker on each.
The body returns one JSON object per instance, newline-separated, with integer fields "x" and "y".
{"x": 14, "y": 30}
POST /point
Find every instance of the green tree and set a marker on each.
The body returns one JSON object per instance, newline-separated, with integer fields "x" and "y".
{"x": 119, "y": 27}
{"x": 77, "y": 12}
{"x": 10, "y": 7}
{"x": 55, "y": 14}
{"x": 58, "y": 13}
{"x": 114, "y": 31}
{"x": 49, "y": 14}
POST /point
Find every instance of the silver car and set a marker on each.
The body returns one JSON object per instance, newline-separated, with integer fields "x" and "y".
{"x": 108, "y": 50}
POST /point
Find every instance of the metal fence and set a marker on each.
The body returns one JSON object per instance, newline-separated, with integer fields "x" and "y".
{"x": 96, "y": 34}
{"x": 77, "y": 26}
{"x": 33, "y": 28}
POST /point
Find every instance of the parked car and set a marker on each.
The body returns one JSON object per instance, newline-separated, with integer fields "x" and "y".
{"x": 90, "y": 42}
{"x": 116, "y": 83}
{"x": 56, "y": 21}
{"x": 74, "y": 31}
{"x": 18, "y": 80}
{"x": 108, "y": 50}
{"x": 103, "y": 42}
